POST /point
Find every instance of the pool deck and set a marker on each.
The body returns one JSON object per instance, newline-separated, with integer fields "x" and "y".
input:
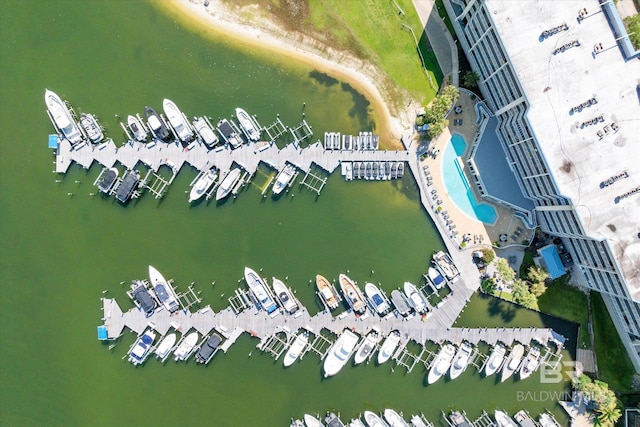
{"x": 481, "y": 234}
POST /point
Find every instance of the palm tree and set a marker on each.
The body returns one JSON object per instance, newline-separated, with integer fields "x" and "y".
{"x": 471, "y": 79}
{"x": 608, "y": 414}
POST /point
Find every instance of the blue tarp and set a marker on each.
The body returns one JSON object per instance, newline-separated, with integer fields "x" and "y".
{"x": 102, "y": 333}
{"x": 53, "y": 141}
{"x": 552, "y": 260}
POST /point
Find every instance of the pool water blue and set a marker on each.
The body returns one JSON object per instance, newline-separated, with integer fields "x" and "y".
{"x": 458, "y": 187}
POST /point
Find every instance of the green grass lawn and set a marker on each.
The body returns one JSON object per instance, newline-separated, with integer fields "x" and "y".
{"x": 377, "y": 27}
{"x": 614, "y": 365}
{"x": 568, "y": 303}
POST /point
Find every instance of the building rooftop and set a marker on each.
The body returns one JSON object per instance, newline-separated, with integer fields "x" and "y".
{"x": 585, "y": 112}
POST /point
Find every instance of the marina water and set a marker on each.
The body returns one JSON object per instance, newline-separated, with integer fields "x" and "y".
{"x": 60, "y": 247}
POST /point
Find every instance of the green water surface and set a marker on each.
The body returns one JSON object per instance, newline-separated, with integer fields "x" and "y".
{"x": 60, "y": 248}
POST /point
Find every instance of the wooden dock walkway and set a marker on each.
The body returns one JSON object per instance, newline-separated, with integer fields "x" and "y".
{"x": 248, "y": 156}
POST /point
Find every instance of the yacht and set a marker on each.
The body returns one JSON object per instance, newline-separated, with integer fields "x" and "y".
{"x": 259, "y": 290}
{"x": 61, "y": 116}
{"x": 400, "y": 302}
{"x": 523, "y": 419}
{"x": 326, "y": 292}
{"x": 203, "y": 184}
{"x": 495, "y": 359}
{"x": 163, "y": 290}
{"x": 296, "y": 348}
{"x": 228, "y": 183}
{"x": 177, "y": 120}
{"x": 340, "y": 352}
{"x": 312, "y": 421}
{"x": 352, "y": 293}
{"x": 283, "y": 178}
{"x": 156, "y": 124}
{"x": 186, "y": 346}
{"x": 209, "y": 349}
{"x": 365, "y": 349}
{"x": 229, "y": 134}
{"x": 142, "y": 298}
{"x": 284, "y": 296}
{"x": 209, "y": 138}
{"x": 546, "y": 420}
{"x": 91, "y": 126}
{"x": 436, "y": 278}
{"x": 375, "y": 298}
{"x": 141, "y": 348}
{"x": 504, "y": 420}
{"x": 109, "y": 179}
{"x": 512, "y": 362}
{"x": 165, "y": 346}
{"x": 416, "y": 299}
{"x": 139, "y": 132}
{"x": 445, "y": 264}
{"x": 388, "y": 347}
{"x": 530, "y": 363}
{"x": 247, "y": 124}
{"x": 441, "y": 363}
{"x": 373, "y": 420}
{"x": 461, "y": 360}
{"x": 394, "y": 419}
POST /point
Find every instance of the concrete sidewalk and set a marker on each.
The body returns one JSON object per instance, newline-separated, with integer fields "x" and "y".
{"x": 439, "y": 37}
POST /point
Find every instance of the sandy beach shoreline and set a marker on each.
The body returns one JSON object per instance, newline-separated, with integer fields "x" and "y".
{"x": 262, "y": 33}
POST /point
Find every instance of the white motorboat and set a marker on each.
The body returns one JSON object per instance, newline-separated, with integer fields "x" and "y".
{"x": 139, "y": 132}
{"x": 441, "y": 363}
{"x": 91, "y": 126}
{"x": 259, "y": 290}
{"x": 352, "y": 293}
{"x": 512, "y": 362}
{"x": 228, "y": 183}
{"x": 165, "y": 346}
{"x": 436, "y": 278}
{"x": 375, "y": 298}
{"x": 312, "y": 421}
{"x": 186, "y": 346}
{"x": 247, "y": 124}
{"x": 203, "y": 184}
{"x": 445, "y": 264}
{"x": 546, "y": 420}
{"x": 373, "y": 420}
{"x": 284, "y": 296}
{"x": 142, "y": 347}
{"x": 495, "y": 359}
{"x": 283, "y": 178}
{"x": 326, "y": 292}
{"x": 61, "y": 116}
{"x": 229, "y": 133}
{"x": 163, "y": 290}
{"x": 365, "y": 349}
{"x": 388, "y": 347}
{"x": 177, "y": 120}
{"x": 394, "y": 419}
{"x": 415, "y": 298}
{"x": 504, "y": 420}
{"x": 205, "y": 131}
{"x": 531, "y": 362}
{"x": 417, "y": 421}
{"x": 461, "y": 360}
{"x": 340, "y": 352}
{"x": 296, "y": 348}
{"x": 356, "y": 422}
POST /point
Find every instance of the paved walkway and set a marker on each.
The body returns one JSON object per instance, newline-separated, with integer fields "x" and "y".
{"x": 439, "y": 37}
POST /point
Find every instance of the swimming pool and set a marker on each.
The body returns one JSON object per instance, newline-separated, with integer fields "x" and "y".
{"x": 458, "y": 188}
